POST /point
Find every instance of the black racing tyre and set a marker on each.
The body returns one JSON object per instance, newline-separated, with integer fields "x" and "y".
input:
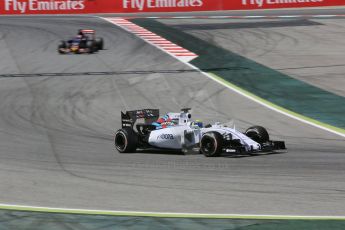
{"x": 100, "y": 43}
{"x": 62, "y": 45}
{"x": 126, "y": 140}
{"x": 60, "y": 51}
{"x": 91, "y": 46}
{"x": 211, "y": 144}
{"x": 258, "y": 134}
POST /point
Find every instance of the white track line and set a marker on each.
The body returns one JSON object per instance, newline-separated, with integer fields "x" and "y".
{"x": 163, "y": 214}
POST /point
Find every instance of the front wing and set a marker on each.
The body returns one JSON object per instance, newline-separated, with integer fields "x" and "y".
{"x": 236, "y": 147}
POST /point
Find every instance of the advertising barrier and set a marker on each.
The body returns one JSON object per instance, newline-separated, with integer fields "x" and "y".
{"x": 137, "y": 6}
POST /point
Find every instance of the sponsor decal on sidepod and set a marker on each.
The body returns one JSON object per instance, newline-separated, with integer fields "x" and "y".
{"x": 165, "y": 137}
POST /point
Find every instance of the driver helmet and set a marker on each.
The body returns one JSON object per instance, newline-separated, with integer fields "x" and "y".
{"x": 164, "y": 119}
{"x": 197, "y": 123}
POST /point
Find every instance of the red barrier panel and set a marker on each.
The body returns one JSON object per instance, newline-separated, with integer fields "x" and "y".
{"x": 135, "y": 6}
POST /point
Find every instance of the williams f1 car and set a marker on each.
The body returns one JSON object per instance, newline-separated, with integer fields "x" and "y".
{"x": 184, "y": 134}
{"x": 84, "y": 42}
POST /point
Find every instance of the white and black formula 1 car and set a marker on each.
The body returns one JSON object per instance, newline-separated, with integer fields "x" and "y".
{"x": 185, "y": 134}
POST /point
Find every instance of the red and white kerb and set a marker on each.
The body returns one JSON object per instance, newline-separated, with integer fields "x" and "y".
{"x": 154, "y": 39}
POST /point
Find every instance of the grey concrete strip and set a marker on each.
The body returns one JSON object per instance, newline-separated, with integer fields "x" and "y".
{"x": 56, "y": 134}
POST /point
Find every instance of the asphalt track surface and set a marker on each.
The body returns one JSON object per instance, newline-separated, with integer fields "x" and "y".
{"x": 56, "y": 147}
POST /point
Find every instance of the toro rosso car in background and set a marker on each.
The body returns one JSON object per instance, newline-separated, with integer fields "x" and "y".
{"x": 181, "y": 133}
{"x": 84, "y": 42}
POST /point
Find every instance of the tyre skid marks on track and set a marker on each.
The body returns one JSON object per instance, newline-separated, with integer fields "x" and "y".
{"x": 180, "y": 53}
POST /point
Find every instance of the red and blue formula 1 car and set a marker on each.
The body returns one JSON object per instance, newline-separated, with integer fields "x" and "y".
{"x": 84, "y": 42}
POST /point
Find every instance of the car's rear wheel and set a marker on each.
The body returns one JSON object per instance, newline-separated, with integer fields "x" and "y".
{"x": 126, "y": 140}
{"x": 211, "y": 144}
{"x": 258, "y": 134}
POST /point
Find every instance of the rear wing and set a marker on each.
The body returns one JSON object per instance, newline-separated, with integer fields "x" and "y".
{"x": 88, "y": 31}
{"x": 129, "y": 118}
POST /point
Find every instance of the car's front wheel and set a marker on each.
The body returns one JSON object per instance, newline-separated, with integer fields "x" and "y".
{"x": 258, "y": 134}
{"x": 126, "y": 140}
{"x": 211, "y": 144}
{"x": 61, "y": 47}
{"x": 92, "y": 47}
{"x": 100, "y": 43}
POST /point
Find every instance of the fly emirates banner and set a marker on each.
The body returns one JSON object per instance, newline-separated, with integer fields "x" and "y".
{"x": 137, "y": 6}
